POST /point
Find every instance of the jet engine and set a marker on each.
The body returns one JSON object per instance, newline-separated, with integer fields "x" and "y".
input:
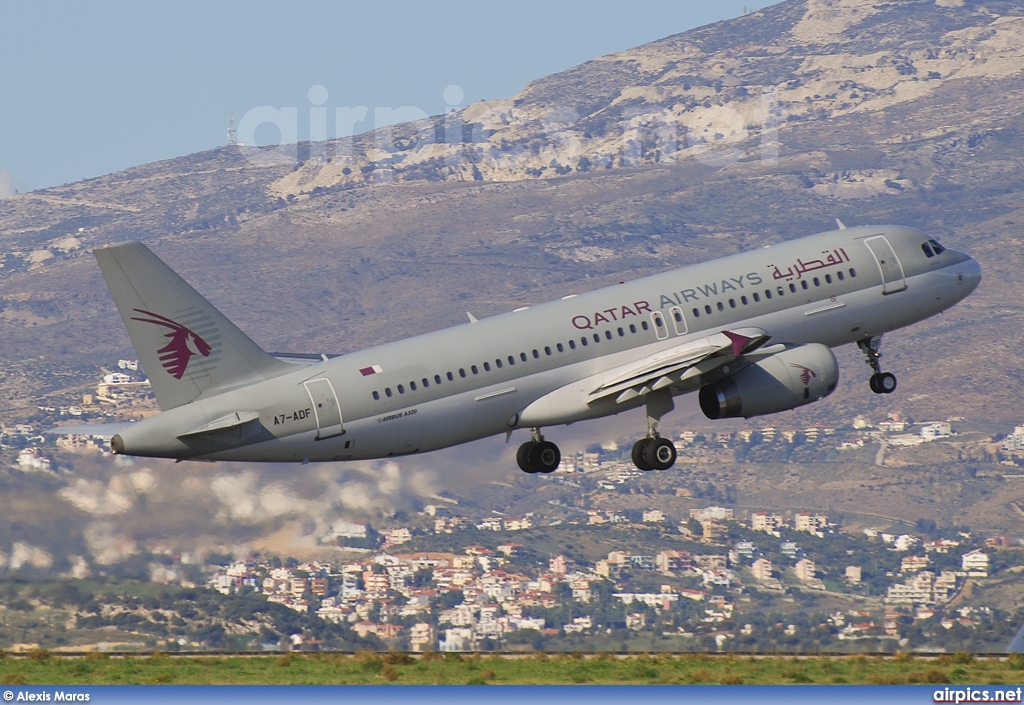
{"x": 782, "y": 381}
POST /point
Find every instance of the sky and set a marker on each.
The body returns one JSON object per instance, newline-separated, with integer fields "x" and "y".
{"x": 91, "y": 88}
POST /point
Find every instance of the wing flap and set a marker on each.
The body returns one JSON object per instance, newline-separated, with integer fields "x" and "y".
{"x": 678, "y": 364}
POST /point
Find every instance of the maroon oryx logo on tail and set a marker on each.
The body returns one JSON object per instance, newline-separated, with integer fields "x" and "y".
{"x": 806, "y": 373}
{"x": 184, "y": 344}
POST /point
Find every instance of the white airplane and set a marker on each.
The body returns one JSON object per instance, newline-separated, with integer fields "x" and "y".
{"x": 752, "y": 332}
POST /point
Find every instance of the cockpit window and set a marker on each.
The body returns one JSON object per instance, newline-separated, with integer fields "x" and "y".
{"x": 939, "y": 249}
{"x": 927, "y": 250}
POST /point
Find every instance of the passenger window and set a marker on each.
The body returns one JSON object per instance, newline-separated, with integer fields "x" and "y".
{"x": 707, "y": 307}
{"x": 608, "y": 334}
{"x": 401, "y": 389}
{"x": 817, "y": 282}
{"x": 828, "y": 278}
{"x": 805, "y": 285}
{"x": 497, "y": 363}
{"x": 387, "y": 391}
{"x": 622, "y": 333}
{"x": 767, "y": 293}
{"x": 678, "y": 315}
{"x": 584, "y": 341}
{"x": 696, "y": 313}
{"x": 782, "y": 292}
{"x": 522, "y": 356}
{"x": 462, "y": 372}
{"x": 547, "y": 350}
{"x": 536, "y": 354}
{"x": 474, "y": 370}
{"x": 743, "y": 300}
{"x": 597, "y": 338}
{"x": 426, "y": 383}
{"x": 757, "y": 297}
{"x": 632, "y": 328}
{"x": 572, "y": 344}
{"x": 437, "y": 378}
{"x": 451, "y": 377}
{"x": 412, "y": 386}
{"x": 840, "y": 275}
{"x": 643, "y": 324}
{"x": 376, "y": 395}
{"x": 732, "y": 303}
{"x": 853, "y": 273}
{"x": 792, "y": 288}
{"x": 721, "y": 306}
{"x": 487, "y": 367}
{"x": 560, "y": 348}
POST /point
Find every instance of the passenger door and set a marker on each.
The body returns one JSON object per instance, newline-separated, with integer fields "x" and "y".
{"x": 326, "y": 408}
{"x": 893, "y": 278}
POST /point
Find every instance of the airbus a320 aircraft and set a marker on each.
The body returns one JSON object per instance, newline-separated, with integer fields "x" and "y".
{"x": 752, "y": 332}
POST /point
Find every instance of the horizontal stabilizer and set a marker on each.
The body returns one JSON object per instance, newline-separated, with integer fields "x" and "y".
{"x": 106, "y": 431}
{"x": 234, "y": 420}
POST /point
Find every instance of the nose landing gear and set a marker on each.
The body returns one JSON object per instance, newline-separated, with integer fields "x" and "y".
{"x": 880, "y": 382}
{"x": 538, "y": 455}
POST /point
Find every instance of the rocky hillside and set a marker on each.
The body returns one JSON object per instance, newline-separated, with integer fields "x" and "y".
{"x": 712, "y": 141}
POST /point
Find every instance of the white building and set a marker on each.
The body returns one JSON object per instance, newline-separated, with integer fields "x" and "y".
{"x": 936, "y": 430}
{"x": 975, "y": 563}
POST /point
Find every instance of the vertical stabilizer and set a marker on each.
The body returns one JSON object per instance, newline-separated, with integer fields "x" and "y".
{"x": 187, "y": 347}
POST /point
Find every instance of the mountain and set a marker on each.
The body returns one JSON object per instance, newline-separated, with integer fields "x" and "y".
{"x": 625, "y": 165}
{"x": 717, "y": 140}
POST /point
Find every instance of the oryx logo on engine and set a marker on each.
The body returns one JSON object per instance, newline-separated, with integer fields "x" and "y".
{"x": 806, "y": 373}
{"x": 184, "y": 343}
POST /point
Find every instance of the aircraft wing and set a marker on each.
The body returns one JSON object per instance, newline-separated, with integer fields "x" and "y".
{"x": 677, "y": 364}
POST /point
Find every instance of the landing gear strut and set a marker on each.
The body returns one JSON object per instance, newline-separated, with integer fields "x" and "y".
{"x": 538, "y": 455}
{"x": 655, "y": 452}
{"x": 880, "y": 382}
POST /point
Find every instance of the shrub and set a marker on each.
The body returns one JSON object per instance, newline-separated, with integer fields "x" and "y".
{"x": 389, "y": 673}
{"x": 398, "y": 658}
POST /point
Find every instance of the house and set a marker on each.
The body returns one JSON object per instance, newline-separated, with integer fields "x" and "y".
{"x": 653, "y": 516}
{"x": 762, "y": 569}
{"x": 853, "y": 574}
{"x": 912, "y": 564}
{"x": 673, "y": 561}
{"x": 396, "y": 537}
{"x": 804, "y": 570}
{"x": 422, "y": 636}
{"x": 457, "y": 639}
{"x": 389, "y": 631}
{"x": 975, "y": 563}
{"x": 768, "y": 523}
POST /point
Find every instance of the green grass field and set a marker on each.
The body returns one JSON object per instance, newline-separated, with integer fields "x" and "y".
{"x": 41, "y": 668}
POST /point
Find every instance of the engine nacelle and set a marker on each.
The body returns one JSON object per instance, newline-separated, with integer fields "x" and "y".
{"x": 780, "y": 382}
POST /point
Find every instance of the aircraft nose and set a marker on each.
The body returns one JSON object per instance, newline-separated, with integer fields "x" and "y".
{"x": 969, "y": 274}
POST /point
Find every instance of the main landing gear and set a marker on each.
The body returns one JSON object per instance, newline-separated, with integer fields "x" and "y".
{"x": 538, "y": 455}
{"x": 655, "y": 452}
{"x": 880, "y": 382}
